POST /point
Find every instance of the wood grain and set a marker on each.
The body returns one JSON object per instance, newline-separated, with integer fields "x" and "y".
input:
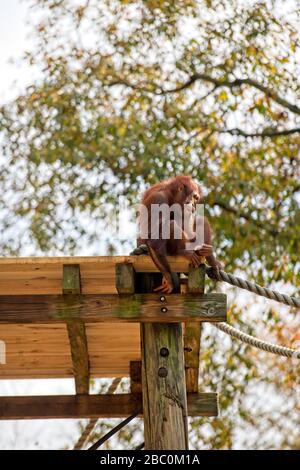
{"x": 42, "y": 350}
{"x": 192, "y": 332}
{"x": 43, "y": 275}
{"x": 71, "y": 284}
{"x": 91, "y": 406}
{"x": 112, "y": 308}
{"x": 163, "y": 385}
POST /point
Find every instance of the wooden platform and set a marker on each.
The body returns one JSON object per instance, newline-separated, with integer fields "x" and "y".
{"x": 37, "y": 344}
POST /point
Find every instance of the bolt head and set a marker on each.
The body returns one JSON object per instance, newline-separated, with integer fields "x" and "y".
{"x": 164, "y": 352}
{"x": 162, "y": 372}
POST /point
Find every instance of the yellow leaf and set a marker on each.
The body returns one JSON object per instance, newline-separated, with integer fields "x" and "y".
{"x": 223, "y": 96}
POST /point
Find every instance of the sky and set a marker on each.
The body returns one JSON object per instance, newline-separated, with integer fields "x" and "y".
{"x": 13, "y": 41}
{"x": 14, "y": 77}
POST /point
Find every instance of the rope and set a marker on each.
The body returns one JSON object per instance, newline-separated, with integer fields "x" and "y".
{"x": 92, "y": 422}
{"x": 257, "y": 343}
{"x": 238, "y": 282}
{"x": 252, "y": 287}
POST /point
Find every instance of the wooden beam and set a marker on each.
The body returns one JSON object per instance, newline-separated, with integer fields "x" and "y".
{"x": 80, "y": 356}
{"x": 71, "y": 285}
{"x": 71, "y": 282}
{"x": 135, "y": 369}
{"x": 203, "y": 404}
{"x": 112, "y": 308}
{"x": 163, "y": 386}
{"x": 192, "y": 355}
{"x": 141, "y": 264}
{"x": 91, "y": 406}
{"x": 192, "y": 333}
{"x": 125, "y": 278}
{"x": 196, "y": 280}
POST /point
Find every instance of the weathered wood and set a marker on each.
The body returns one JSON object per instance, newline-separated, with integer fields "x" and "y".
{"x": 192, "y": 333}
{"x": 71, "y": 285}
{"x": 140, "y": 263}
{"x": 80, "y": 356}
{"x": 112, "y": 308}
{"x": 136, "y": 377}
{"x": 43, "y": 275}
{"x": 163, "y": 384}
{"x": 203, "y": 404}
{"x": 71, "y": 279}
{"x": 125, "y": 278}
{"x": 91, "y": 406}
{"x": 192, "y": 355}
{"x": 43, "y": 351}
{"x": 196, "y": 280}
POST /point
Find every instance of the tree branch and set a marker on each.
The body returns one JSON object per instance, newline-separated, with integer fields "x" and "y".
{"x": 240, "y": 132}
{"x": 238, "y": 82}
{"x": 229, "y": 84}
{"x": 264, "y": 133}
{"x": 247, "y": 217}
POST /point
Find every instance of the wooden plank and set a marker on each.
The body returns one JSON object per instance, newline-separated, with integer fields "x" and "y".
{"x": 71, "y": 285}
{"x": 34, "y": 350}
{"x": 192, "y": 333}
{"x": 80, "y": 356}
{"x": 163, "y": 386}
{"x": 112, "y": 347}
{"x": 136, "y": 377}
{"x": 203, "y": 404}
{"x": 196, "y": 280}
{"x": 113, "y": 308}
{"x": 91, "y": 406}
{"x": 42, "y": 350}
{"x": 125, "y": 278}
{"x": 140, "y": 263}
{"x": 192, "y": 355}
{"x": 37, "y": 275}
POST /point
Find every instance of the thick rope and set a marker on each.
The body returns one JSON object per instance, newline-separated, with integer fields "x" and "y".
{"x": 92, "y": 422}
{"x": 257, "y": 343}
{"x": 238, "y": 282}
{"x": 252, "y": 287}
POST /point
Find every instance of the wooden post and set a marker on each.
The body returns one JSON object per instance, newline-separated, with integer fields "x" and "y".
{"x": 125, "y": 278}
{"x": 163, "y": 383}
{"x": 192, "y": 333}
{"x": 135, "y": 369}
{"x": 71, "y": 285}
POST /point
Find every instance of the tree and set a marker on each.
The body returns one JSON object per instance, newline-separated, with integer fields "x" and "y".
{"x": 130, "y": 92}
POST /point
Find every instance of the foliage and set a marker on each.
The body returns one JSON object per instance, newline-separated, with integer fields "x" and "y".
{"x": 130, "y": 92}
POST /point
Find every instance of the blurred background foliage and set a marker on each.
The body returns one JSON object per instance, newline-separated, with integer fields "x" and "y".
{"x": 125, "y": 93}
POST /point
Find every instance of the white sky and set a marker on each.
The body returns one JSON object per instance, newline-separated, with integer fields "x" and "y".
{"x": 13, "y": 40}
{"x": 13, "y": 78}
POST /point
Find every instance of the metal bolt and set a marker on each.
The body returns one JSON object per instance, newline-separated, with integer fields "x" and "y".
{"x": 162, "y": 298}
{"x": 162, "y": 372}
{"x": 164, "y": 352}
{"x": 164, "y": 309}
{"x": 211, "y": 310}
